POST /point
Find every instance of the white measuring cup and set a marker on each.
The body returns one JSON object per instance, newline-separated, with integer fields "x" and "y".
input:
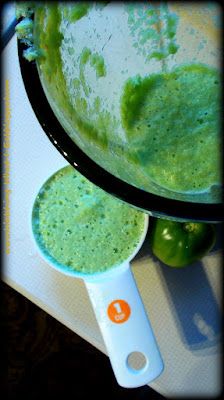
{"x": 122, "y": 319}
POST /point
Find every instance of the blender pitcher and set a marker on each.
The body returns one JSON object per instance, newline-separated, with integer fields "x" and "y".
{"x": 135, "y": 88}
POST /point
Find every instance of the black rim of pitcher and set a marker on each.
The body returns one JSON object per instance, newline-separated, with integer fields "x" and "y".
{"x": 153, "y": 204}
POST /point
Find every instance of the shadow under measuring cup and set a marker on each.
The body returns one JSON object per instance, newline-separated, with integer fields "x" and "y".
{"x": 121, "y": 316}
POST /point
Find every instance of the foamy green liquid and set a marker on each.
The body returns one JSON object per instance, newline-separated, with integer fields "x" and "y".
{"x": 80, "y": 227}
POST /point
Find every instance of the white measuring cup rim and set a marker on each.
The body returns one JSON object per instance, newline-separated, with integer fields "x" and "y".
{"x": 46, "y": 256}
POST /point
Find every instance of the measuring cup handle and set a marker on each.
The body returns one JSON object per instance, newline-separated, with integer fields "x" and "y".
{"x": 126, "y": 330}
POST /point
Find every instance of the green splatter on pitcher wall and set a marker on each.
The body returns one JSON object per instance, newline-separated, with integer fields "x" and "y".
{"x": 137, "y": 87}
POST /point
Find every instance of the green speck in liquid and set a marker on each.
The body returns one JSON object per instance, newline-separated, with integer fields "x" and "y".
{"x": 97, "y": 62}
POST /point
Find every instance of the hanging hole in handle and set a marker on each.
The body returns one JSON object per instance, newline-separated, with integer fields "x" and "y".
{"x": 136, "y": 362}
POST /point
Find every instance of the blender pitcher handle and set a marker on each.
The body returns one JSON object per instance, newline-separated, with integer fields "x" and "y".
{"x": 126, "y": 330}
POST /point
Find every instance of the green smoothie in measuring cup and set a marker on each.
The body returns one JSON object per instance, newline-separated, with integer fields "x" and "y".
{"x": 80, "y": 227}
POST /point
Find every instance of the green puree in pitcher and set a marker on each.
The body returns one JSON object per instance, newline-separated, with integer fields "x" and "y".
{"x": 173, "y": 129}
{"x": 82, "y": 228}
{"x": 171, "y": 121}
{"x": 165, "y": 137}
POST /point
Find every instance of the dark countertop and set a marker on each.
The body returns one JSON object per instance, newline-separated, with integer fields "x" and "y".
{"x": 45, "y": 358}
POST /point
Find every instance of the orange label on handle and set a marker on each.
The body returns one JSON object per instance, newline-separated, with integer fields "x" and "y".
{"x": 118, "y": 311}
